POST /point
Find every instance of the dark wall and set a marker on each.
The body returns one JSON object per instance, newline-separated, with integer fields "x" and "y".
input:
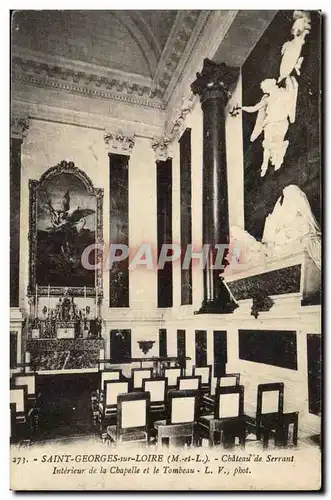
{"x": 119, "y": 228}
{"x": 15, "y": 207}
{"x": 271, "y": 347}
{"x": 314, "y": 359}
{"x": 302, "y": 160}
{"x": 164, "y": 229}
{"x": 185, "y": 212}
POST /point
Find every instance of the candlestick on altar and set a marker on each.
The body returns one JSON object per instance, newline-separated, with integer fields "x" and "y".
{"x": 96, "y": 302}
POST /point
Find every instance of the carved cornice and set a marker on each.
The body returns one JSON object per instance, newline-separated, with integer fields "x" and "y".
{"x": 18, "y": 126}
{"x": 116, "y": 87}
{"x": 160, "y": 147}
{"x": 120, "y": 143}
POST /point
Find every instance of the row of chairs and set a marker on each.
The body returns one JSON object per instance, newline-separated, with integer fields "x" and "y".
{"x": 112, "y": 383}
{"x": 183, "y": 418}
{"x": 225, "y": 407}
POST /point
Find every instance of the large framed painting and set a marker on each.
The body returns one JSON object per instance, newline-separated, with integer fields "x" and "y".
{"x": 65, "y": 219}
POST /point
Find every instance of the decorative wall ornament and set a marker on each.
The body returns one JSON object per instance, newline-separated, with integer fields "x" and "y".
{"x": 119, "y": 143}
{"x": 276, "y": 111}
{"x": 177, "y": 126}
{"x": 18, "y": 126}
{"x": 65, "y": 216}
{"x": 145, "y": 345}
{"x": 160, "y": 147}
{"x": 261, "y": 303}
{"x": 291, "y": 50}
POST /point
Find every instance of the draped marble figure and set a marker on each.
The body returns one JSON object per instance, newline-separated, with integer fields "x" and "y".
{"x": 289, "y": 228}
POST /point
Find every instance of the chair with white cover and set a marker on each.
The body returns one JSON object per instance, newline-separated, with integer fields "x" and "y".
{"x": 182, "y": 413}
{"x": 228, "y": 379}
{"x": 172, "y": 375}
{"x": 108, "y": 405}
{"x": 132, "y": 419}
{"x": 96, "y": 396}
{"x": 157, "y": 387}
{"x": 228, "y": 419}
{"x": 189, "y": 382}
{"x": 205, "y": 373}
{"x": 138, "y": 375}
{"x": 29, "y": 380}
{"x": 18, "y": 400}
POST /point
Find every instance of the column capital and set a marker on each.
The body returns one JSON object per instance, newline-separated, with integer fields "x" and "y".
{"x": 19, "y": 124}
{"x": 160, "y": 147}
{"x": 214, "y": 81}
{"x": 119, "y": 142}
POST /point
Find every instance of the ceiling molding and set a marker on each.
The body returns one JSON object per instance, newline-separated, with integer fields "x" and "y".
{"x": 79, "y": 66}
{"x": 189, "y": 47}
{"x": 88, "y": 84}
{"x": 184, "y": 33}
{"x": 211, "y": 36}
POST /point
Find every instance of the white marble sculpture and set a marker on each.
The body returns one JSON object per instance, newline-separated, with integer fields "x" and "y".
{"x": 291, "y": 50}
{"x": 276, "y": 111}
{"x": 289, "y": 228}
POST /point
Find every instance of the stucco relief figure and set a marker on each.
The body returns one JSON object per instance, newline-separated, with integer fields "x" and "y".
{"x": 291, "y": 50}
{"x": 276, "y": 111}
{"x": 289, "y": 228}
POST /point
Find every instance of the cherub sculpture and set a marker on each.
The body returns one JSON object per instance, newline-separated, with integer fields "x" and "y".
{"x": 291, "y": 50}
{"x": 276, "y": 111}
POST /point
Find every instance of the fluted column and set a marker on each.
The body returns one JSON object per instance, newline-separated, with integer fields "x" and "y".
{"x": 212, "y": 85}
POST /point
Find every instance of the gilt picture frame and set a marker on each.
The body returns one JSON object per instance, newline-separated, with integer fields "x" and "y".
{"x": 65, "y": 217}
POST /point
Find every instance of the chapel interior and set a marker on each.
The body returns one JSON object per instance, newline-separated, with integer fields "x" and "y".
{"x": 140, "y": 142}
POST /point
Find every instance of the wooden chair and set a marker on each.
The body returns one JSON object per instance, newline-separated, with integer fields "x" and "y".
{"x": 205, "y": 373}
{"x": 132, "y": 419}
{"x": 269, "y": 407}
{"x": 108, "y": 404}
{"x": 190, "y": 382}
{"x": 138, "y": 375}
{"x": 29, "y": 380}
{"x": 18, "y": 400}
{"x": 172, "y": 375}
{"x": 285, "y": 433}
{"x": 182, "y": 413}
{"x": 105, "y": 375}
{"x": 227, "y": 420}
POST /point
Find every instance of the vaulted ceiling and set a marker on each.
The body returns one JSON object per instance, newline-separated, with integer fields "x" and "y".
{"x": 129, "y": 41}
{"x": 142, "y": 57}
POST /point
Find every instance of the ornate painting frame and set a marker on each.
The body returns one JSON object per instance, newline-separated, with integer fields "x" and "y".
{"x": 64, "y": 167}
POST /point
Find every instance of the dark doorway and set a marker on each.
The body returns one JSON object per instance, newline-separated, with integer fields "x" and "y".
{"x": 220, "y": 353}
{"x": 120, "y": 346}
{"x": 200, "y": 347}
